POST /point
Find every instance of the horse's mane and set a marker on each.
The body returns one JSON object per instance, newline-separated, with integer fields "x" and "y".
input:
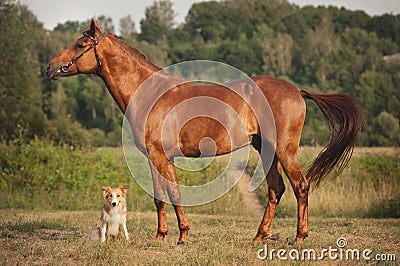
{"x": 132, "y": 51}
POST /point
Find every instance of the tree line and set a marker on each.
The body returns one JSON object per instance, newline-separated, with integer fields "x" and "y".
{"x": 323, "y": 49}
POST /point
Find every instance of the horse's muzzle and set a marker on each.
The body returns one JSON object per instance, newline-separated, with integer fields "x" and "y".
{"x": 53, "y": 72}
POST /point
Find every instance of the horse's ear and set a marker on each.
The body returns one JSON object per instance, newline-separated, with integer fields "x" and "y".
{"x": 94, "y": 30}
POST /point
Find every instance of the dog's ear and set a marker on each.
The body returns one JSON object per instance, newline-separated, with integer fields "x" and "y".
{"x": 105, "y": 190}
{"x": 124, "y": 188}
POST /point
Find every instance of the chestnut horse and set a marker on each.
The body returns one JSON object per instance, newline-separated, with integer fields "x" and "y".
{"x": 124, "y": 69}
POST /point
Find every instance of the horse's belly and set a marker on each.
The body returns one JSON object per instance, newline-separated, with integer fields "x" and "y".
{"x": 209, "y": 137}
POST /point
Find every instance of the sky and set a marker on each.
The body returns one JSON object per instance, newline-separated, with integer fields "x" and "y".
{"x": 51, "y": 12}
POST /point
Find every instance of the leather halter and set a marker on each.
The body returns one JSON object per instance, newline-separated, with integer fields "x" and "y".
{"x": 66, "y": 68}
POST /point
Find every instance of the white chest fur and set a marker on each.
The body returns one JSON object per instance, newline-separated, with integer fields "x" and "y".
{"x": 114, "y": 220}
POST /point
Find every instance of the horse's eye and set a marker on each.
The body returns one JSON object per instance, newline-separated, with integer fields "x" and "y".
{"x": 79, "y": 46}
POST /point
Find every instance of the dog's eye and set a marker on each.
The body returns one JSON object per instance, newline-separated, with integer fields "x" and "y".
{"x": 118, "y": 195}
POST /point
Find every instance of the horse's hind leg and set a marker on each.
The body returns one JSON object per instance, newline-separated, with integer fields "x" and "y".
{"x": 276, "y": 188}
{"x": 300, "y": 185}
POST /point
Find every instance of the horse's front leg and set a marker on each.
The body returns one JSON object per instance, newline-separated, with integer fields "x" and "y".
{"x": 160, "y": 192}
{"x": 165, "y": 180}
{"x": 175, "y": 197}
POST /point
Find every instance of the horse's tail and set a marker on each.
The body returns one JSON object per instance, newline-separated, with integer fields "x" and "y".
{"x": 344, "y": 115}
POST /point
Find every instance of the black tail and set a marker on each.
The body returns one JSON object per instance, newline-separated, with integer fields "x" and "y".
{"x": 344, "y": 115}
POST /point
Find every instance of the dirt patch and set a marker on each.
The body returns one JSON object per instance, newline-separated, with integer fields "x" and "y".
{"x": 250, "y": 199}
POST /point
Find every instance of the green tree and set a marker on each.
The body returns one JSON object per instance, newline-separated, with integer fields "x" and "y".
{"x": 265, "y": 12}
{"x": 296, "y": 25}
{"x": 20, "y": 86}
{"x": 106, "y": 23}
{"x": 314, "y": 51}
{"x": 127, "y": 28}
{"x": 240, "y": 53}
{"x": 204, "y": 19}
{"x": 386, "y": 26}
{"x": 158, "y": 22}
{"x": 70, "y": 26}
{"x": 366, "y": 91}
{"x": 343, "y": 18}
{"x": 278, "y": 55}
{"x": 389, "y": 128}
{"x": 322, "y": 49}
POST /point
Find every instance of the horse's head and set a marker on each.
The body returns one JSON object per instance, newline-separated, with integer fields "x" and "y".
{"x": 80, "y": 57}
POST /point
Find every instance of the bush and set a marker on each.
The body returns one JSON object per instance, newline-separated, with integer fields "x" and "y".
{"x": 40, "y": 175}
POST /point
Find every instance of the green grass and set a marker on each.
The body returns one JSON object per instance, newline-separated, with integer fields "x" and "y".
{"x": 45, "y": 177}
{"x": 41, "y": 176}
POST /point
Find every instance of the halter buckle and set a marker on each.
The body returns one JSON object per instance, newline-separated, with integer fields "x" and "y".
{"x": 65, "y": 68}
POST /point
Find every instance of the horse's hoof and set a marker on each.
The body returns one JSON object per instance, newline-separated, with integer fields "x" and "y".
{"x": 258, "y": 240}
{"x": 264, "y": 239}
{"x": 160, "y": 236}
{"x": 183, "y": 241}
{"x": 296, "y": 241}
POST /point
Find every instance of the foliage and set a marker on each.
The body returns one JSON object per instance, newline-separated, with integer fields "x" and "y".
{"x": 127, "y": 27}
{"x": 20, "y": 91}
{"x": 158, "y": 22}
{"x": 43, "y": 176}
{"x": 324, "y": 49}
{"x": 39, "y": 175}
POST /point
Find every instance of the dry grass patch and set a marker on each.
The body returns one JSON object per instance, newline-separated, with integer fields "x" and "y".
{"x": 60, "y": 238}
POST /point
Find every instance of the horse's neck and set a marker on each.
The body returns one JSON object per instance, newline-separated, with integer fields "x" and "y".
{"x": 123, "y": 72}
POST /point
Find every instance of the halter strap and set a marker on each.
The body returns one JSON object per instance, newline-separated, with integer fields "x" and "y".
{"x": 66, "y": 68}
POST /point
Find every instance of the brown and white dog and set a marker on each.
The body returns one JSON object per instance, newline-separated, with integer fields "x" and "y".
{"x": 113, "y": 214}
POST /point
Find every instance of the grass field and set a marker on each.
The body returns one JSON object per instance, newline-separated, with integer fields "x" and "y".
{"x": 59, "y": 238}
{"x": 51, "y": 199}
{"x": 368, "y": 187}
